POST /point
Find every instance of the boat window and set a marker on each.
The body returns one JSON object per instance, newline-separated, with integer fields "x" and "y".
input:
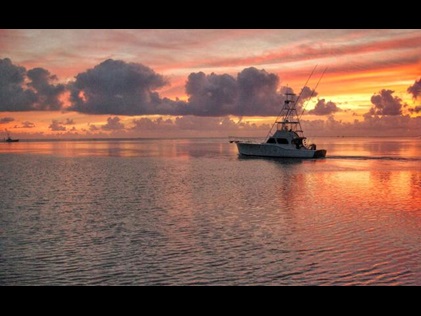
{"x": 282, "y": 141}
{"x": 271, "y": 140}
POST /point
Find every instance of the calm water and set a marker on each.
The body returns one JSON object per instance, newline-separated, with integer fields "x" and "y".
{"x": 191, "y": 212}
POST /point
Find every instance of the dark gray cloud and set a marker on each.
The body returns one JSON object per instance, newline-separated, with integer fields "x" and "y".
{"x": 32, "y": 90}
{"x": 415, "y": 89}
{"x": 258, "y": 93}
{"x": 385, "y": 103}
{"x": 113, "y": 124}
{"x": 252, "y": 92}
{"x": 211, "y": 95}
{"x": 324, "y": 108}
{"x": 47, "y": 93}
{"x": 5, "y": 120}
{"x": 416, "y": 109}
{"x": 120, "y": 88}
{"x": 57, "y": 126}
{"x": 306, "y": 94}
{"x": 117, "y": 87}
{"x": 13, "y": 94}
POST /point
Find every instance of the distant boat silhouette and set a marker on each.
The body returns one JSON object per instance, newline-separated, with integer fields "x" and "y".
{"x": 10, "y": 140}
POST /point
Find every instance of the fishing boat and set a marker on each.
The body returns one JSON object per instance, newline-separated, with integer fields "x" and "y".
{"x": 10, "y": 140}
{"x": 287, "y": 141}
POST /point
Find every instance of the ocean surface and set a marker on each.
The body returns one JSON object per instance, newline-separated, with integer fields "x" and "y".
{"x": 192, "y": 212}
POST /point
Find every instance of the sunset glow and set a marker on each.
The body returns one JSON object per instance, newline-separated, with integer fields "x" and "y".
{"x": 170, "y": 83}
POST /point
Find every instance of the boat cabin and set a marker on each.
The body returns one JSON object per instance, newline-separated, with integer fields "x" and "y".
{"x": 286, "y": 137}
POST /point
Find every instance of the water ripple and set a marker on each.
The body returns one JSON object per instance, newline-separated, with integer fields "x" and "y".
{"x": 198, "y": 215}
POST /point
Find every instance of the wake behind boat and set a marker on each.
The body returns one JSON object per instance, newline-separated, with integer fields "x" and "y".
{"x": 287, "y": 141}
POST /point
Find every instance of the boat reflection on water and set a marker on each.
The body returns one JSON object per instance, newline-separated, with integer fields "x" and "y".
{"x": 282, "y": 161}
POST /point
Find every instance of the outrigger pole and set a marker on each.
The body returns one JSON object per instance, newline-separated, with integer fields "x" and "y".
{"x": 312, "y": 93}
{"x": 280, "y": 112}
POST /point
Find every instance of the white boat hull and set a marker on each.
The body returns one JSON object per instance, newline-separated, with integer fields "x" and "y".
{"x": 278, "y": 151}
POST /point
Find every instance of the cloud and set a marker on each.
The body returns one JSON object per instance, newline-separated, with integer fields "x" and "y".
{"x": 32, "y": 90}
{"x": 120, "y": 88}
{"x": 93, "y": 128}
{"x": 370, "y": 126}
{"x": 56, "y": 126}
{"x": 5, "y": 120}
{"x": 416, "y": 109}
{"x": 306, "y": 94}
{"x": 148, "y": 124}
{"x": 189, "y": 122}
{"x": 197, "y": 123}
{"x": 211, "y": 95}
{"x": 324, "y": 108}
{"x": 310, "y": 48}
{"x": 13, "y": 95}
{"x": 47, "y": 93}
{"x": 258, "y": 93}
{"x": 113, "y": 124}
{"x": 69, "y": 122}
{"x": 252, "y": 92}
{"x": 117, "y": 87}
{"x": 194, "y": 123}
{"x": 385, "y": 103}
{"x": 415, "y": 89}
{"x": 27, "y": 124}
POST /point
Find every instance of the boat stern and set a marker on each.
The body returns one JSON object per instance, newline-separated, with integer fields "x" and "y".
{"x": 320, "y": 153}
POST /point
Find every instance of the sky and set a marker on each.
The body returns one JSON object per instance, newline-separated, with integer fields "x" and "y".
{"x": 196, "y": 83}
